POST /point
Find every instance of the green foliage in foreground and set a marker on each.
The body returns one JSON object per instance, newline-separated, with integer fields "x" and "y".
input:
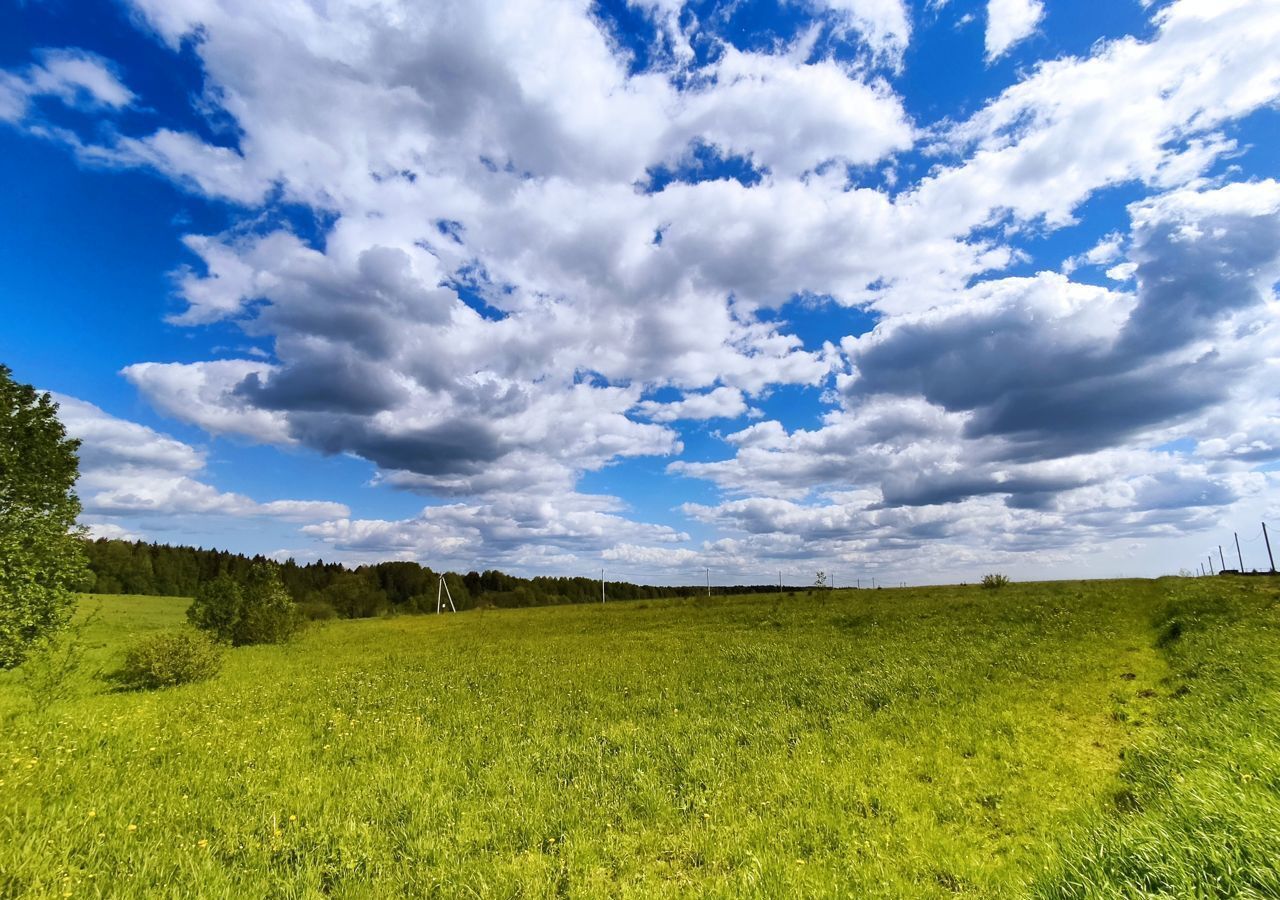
{"x": 41, "y": 557}
{"x": 169, "y": 658}
{"x": 1053, "y": 740}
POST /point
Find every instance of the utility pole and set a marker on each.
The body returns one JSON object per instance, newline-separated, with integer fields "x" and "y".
{"x": 1221, "y": 559}
{"x": 779, "y": 581}
{"x": 1239, "y": 555}
{"x": 1210, "y": 558}
{"x": 602, "y": 585}
{"x": 442, "y": 591}
{"x": 708, "y": 581}
{"x": 1268, "y": 540}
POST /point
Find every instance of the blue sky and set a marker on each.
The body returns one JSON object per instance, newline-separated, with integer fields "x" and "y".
{"x": 917, "y": 290}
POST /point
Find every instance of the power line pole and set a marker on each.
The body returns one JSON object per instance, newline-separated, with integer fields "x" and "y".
{"x": 1268, "y": 540}
{"x": 1221, "y": 559}
{"x": 779, "y": 581}
{"x": 443, "y": 586}
{"x": 602, "y": 585}
{"x": 1210, "y": 558}
{"x": 708, "y": 581}
{"x": 1239, "y": 555}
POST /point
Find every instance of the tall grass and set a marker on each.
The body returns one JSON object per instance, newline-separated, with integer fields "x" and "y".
{"x": 860, "y": 743}
{"x": 1198, "y": 812}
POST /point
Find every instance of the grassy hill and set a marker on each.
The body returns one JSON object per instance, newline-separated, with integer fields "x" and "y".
{"x": 1055, "y": 740}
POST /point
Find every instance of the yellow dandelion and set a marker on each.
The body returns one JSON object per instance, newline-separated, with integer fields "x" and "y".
{"x": 133, "y": 827}
{"x": 92, "y": 813}
{"x": 202, "y": 843}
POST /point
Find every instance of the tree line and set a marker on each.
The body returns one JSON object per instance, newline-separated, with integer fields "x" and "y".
{"x": 329, "y": 589}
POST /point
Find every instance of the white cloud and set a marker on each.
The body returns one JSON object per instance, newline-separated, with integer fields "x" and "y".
{"x": 1132, "y": 111}
{"x": 1028, "y": 415}
{"x": 884, "y": 24}
{"x": 75, "y": 77}
{"x": 1008, "y": 22}
{"x": 129, "y": 470}
{"x": 1107, "y": 250}
{"x": 204, "y": 394}
{"x": 721, "y": 403}
{"x": 520, "y": 532}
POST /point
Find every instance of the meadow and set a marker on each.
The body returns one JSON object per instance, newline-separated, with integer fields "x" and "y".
{"x": 1069, "y": 739}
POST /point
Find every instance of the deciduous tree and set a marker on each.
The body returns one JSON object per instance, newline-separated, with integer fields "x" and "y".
{"x": 42, "y": 560}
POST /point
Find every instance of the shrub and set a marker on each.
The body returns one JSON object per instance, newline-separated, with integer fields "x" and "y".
{"x": 994, "y": 580}
{"x": 169, "y": 658}
{"x": 217, "y": 608}
{"x": 259, "y": 612}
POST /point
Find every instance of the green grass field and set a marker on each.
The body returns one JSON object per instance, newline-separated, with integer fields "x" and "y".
{"x": 1087, "y": 739}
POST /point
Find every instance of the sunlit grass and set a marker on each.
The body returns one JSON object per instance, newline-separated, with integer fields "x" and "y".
{"x": 863, "y": 743}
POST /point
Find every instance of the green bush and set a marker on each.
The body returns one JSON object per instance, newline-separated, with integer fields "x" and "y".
{"x": 258, "y": 612}
{"x": 169, "y": 658}
{"x": 217, "y": 608}
{"x": 994, "y": 580}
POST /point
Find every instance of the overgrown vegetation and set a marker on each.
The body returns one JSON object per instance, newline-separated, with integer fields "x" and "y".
{"x": 994, "y": 581}
{"x": 170, "y": 658}
{"x": 1042, "y": 740}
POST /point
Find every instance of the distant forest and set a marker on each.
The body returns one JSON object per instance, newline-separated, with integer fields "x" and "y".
{"x": 327, "y": 590}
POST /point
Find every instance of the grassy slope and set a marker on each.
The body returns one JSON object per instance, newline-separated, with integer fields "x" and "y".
{"x": 877, "y": 743}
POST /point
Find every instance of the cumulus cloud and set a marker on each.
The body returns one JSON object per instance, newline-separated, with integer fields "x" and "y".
{"x": 721, "y": 403}
{"x": 1148, "y": 111}
{"x": 520, "y": 532}
{"x": 75, "y": 77}
{"x": 884, "y": 24}
{"x": 1045, "y": 396}
{"x": 1008, "y": 22}
{"x": 129, "y": 470}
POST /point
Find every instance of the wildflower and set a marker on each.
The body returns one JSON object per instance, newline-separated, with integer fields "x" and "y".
{"x": 202, "y": 843}
{"x": 132, "y": 827}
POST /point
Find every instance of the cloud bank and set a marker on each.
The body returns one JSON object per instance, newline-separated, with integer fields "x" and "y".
{"x": 539, "y": 260}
